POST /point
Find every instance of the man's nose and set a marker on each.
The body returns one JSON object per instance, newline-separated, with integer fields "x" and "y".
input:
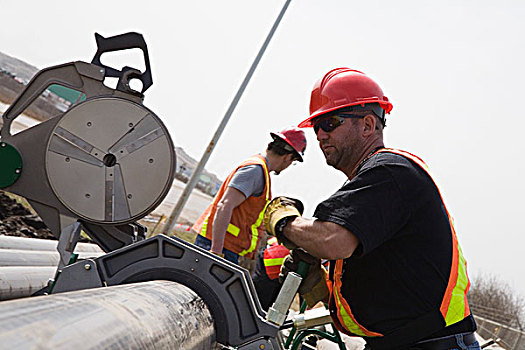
{"x": 322, "y": 135}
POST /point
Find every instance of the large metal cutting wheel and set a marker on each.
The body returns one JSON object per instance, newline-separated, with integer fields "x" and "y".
{"x": 100, "y": 155}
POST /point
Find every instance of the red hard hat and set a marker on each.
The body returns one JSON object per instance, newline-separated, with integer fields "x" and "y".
{"x": 344, "y": 87}
{"x": 294, "y": 137}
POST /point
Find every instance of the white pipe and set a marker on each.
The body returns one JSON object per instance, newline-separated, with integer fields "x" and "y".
{"x": 149, "y": 315}
{"x": 22, "y": 243}
{"x": 22, "y": 281}
{"x": 16, "y": 257}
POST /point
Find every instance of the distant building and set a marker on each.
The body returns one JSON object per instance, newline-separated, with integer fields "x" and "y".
{"x": 207, "y": 183}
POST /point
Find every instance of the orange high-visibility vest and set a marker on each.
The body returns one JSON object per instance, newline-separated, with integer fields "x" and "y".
{"x": 454, "y": 306}
{"x": 273, "y": 258}
{"x": 242, "y": 236}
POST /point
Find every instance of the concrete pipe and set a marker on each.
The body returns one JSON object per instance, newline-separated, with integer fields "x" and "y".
{"x": 15, "y": 257}
{"x": 21, "y": 243}
{"x": 22, "y": 281}
{"x": 149, "y": 315}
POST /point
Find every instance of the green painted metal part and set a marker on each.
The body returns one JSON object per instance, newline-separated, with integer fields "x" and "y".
{"x": 334, "y": 337}
{"x": 296, "y": 340}
{"x": 10, "y": 165}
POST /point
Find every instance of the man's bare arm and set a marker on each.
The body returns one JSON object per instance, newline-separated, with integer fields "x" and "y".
{"x": 232, "y": 198}
{"x": 323, "y": 239}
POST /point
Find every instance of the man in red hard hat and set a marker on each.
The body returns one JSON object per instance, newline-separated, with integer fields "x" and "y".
{"x": 397, "y": 276}
{"x": 229, "y": 227}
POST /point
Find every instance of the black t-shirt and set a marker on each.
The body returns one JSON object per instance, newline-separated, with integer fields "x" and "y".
{"x": 401, "y": 268}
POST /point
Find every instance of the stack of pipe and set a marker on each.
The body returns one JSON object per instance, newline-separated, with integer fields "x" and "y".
{"x": 148, "y": 315}
{"x": 27, "y": 264}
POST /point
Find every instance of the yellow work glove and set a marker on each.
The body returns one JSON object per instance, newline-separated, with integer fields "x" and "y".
{"x": 277, "y": 214}
{"x": 313, "y": 287}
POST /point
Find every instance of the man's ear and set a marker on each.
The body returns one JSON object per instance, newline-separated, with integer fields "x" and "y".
{"x": 369, "y": 125}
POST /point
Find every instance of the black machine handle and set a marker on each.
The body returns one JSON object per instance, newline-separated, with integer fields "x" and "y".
{"x": 124, "y": 41}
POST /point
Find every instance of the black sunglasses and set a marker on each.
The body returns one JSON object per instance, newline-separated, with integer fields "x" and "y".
{"x": 332, "y": 122}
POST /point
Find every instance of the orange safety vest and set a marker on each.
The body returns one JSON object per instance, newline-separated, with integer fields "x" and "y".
{"x": 242, "y": 236}
{"x": 454, "y": 306}
{"x": 273, "y": 258}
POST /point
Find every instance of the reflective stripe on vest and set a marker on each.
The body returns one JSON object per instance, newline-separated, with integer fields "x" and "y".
{"x": 273, "y": 258}
{"x": 454, "y": 306}
{"x": 204, "y": 227}
{"x": 255, "y": 227}
{"x": 344, "y": 313}
{"x": 234, "y": 230}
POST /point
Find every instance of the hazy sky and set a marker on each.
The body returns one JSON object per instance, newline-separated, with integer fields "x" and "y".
{"x": 453, "y": 70}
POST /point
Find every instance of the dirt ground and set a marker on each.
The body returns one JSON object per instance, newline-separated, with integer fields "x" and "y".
{"x": 17, "y": 220}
